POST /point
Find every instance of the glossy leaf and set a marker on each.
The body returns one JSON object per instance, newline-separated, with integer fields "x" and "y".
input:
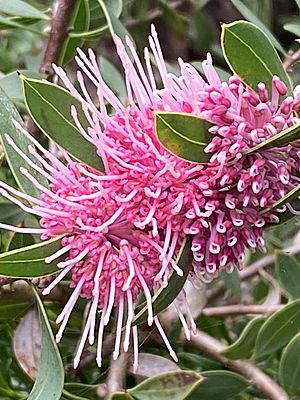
{"x": 243, "y": 346}
{"x": 293, "y": 27}
{"x": 288, "y": 198}
{"x": 15, "y": 161}
{"x": 282, "y": 138}
{"x": 21, "y": 8}
{"x": 251, "y": 55}
{"x": 112, "y": 77}
{"x": 50, "y": 107}
{"x": 289, "y": 367}
{"x": 80, "y": 21}
{"x": 251, "y": 17}
{"x": 19, "y": 240}
{"x": 184, "y": 135}
{"x": 164, "y": 297}
{"x": 50, "y": 379}
{"x": 278, "y": 330}
{"x": 175, "y": 385}
{"x": 219, "y": 385}
{"x": 29, "y": 262}
{"x": 12, "y": 307}
{"x": 288, "y": 273}
{"x": 120, "y": 396}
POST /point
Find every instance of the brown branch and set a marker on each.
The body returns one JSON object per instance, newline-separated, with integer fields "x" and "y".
{"x": 238, "y": 309}
{"x": 212, "y": 347}
{"x": 254, "y": 268}
{"x": 291, "y": 58}
{"x": 61, "y": 12}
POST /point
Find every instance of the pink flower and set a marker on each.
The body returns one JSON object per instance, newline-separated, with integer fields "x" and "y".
{"x": 220, "y": 203}
{"x": 122, "y": 228}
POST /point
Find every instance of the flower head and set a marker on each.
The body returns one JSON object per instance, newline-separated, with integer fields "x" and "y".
{"x": 122, "y": 228}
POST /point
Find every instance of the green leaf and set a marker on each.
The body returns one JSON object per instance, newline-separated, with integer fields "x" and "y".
{"x": 232, "y": 282}
{"x": 243, "y": 346}
{"x": 289, "y": 367}
{"x": 50, "y": 107}
{"x": 19, "y": 240}
{"x": 80, "y": 22}
{"x": 184, "y": 135}
{"x": 15, "y": 161}
{"x": 29, "y": 262}
{"x": 12, "y": 85}
{"x": 219, "y": 385}
{"x": 21, "y": 9}
{"x": 164, "y": 297}
{"x": 288, "y": 273}
{"x": 11, "y": 214}
{"x": 293, "y": 27}
{"x": 78, "y": 390}
{"x": 278, "y": 330}
{"x": 282, "y": 138}
{"x": 12, "y": 307}
{"x": 298, "y": 3}
{"x": 176, "y": 385}
{"x": 250, "y": 16}
{"x": 288, "y": 198}
{"x": 112, "y": 77}
{"x": 120, "y": 396}
{"x": 50, "y": 380}
{"x": 12, "y": 22}
{"x": 251, "y": 55}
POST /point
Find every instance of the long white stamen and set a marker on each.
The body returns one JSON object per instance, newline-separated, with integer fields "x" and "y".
{"x": 165, "y": 339}
{"x": 57, "y": 254}
{"x": 147, "y": 295}
{"x": 74, "y": 260}
{"x": 135, "y": 348}
{"x": 83, "y": 340}
{"x": 66, "y": 312}
{"x": 119, "y": 328}
{"x": 62, "y": 274}
{"x": 129, "y": 320}
{"x": 22, "y": 230}
{"x": 100, "y": 336}
{"x": 111, "y": 300}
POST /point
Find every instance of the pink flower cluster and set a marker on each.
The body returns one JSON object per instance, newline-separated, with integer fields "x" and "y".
{"x": 123, "y": 227}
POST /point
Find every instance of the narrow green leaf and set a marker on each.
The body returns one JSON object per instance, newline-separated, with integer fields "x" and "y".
{"x": 288, "y": 274}
{"x": 15, "y": 161}
{"x": 219, "y": 385}
{"x": 176, "y": 385}
{"x": 251, "y": 55}
{"x": 50, "y": 107}
{"x": 243, "y": 346}
{"x": 19, "y": 240}
{"x": 278, "y": 330}
{"x": 12, "y": 85}
{"x": 289, "y": 367}
{"x": 288, "y": 198}
{"x": 164, "y": 297}
{"x": 112, "y": 77}
{"x": 29, "y": 262}
{"x": 251, "y": 17}
{"x": 11, "y": 214}
{"x": 80, "y": 22}
{"x": 293, "y": 27}
{"x": 120, "y": 396}
{"x": 12, "y": 307}
{"x": 11, "y": 22}
{"x": 50, "y": 380}
{"x": 184, "y": 135}
{"x": 282, "y": 138}
{"x": 22, "y": 9}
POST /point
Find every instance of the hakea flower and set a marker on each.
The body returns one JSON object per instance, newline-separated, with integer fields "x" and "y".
{"x": 122, "y": 228}
{"x": 219, "y": 203}
{"x": 111, "y": 261}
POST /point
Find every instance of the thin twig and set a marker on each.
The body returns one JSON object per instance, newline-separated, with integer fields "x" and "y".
{"x": 291, "y": 58}
{"x": 61, "y": 13}
{"x": 254, "y": 268}
{"x": 212, "y": 347}
{"x": 238, "y": 309}
{"x": 117, "y": 373}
